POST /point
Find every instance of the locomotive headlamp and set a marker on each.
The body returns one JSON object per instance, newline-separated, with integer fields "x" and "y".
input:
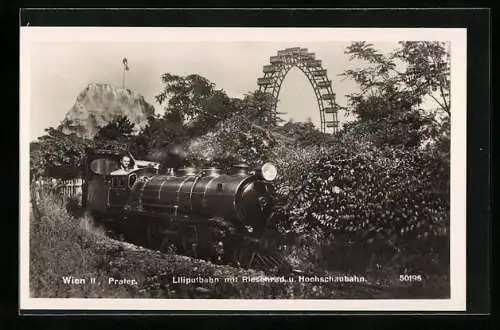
{"x": 269, "y": 171}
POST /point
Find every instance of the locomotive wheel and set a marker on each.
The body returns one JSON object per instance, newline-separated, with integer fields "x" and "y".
{"x": 242, "y": 257}
{"x": 167, "y": 243}
{"x": 190, "y": 241}
{"x": 113, "y": 230}
{"x": 154, "y": 238}
{"x": 150, "y": 237}
{"x": 160, "y": 241}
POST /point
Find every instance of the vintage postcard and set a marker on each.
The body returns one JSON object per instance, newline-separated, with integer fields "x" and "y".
{"x": 265, "y": 169}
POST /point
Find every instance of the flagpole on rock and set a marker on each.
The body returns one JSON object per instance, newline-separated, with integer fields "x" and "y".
{"x": 125, "y": 68}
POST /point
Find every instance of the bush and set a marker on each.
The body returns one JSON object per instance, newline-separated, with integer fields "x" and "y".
{"x": 293, "y": 164}
{"x": 390, "y": 204}
{"x": 59, "y": 248}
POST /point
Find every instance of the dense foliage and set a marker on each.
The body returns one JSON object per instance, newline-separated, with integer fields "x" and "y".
{"x": 393, "y": 88}
{"x": 57, "y": 154}
{"x": 119, "y": 129}
{"x": 246, "y": 136}
{"x": 385, "y": 201}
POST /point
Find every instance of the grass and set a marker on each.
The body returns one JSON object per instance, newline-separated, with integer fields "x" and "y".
{"x": 60, "y": 246}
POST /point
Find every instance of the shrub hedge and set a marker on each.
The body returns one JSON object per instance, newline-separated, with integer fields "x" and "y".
{"x": 386, "y": 203}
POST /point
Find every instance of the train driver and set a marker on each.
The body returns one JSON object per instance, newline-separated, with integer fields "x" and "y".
{"x": 125, "y": 166}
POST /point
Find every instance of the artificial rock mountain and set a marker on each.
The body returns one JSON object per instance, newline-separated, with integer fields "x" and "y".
{"x": 99, "y": 104}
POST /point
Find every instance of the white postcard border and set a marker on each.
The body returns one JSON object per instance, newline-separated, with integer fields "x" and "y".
{"x": 457, "y": 39}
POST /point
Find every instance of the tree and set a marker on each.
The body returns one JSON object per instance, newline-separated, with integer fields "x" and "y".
{"x": 59, "y": 155}
{"x": 257, "y": 107}
{"x": 36, "y": 160}
{"x": 116, "y": 135}
{"x": 245, "y": 136}
{"x": 393, "y": 88}
{"x": 304, "y": 134}
{"x": 194, "y": 101}
{"x": 428, "y": 70}
{"x": 119, "y": 129}
{"x": 383, "y": 122}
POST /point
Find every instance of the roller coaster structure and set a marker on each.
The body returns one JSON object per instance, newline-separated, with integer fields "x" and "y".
{"x": 280, "y": 65}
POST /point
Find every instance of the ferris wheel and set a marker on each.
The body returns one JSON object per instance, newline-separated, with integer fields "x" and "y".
{"x": 280, "y": 65}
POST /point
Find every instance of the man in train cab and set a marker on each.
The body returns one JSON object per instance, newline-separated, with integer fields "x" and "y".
{"x": 125, "y": 166}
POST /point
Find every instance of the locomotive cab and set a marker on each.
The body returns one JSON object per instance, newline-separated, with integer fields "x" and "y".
{"x": 119, "y": 187}
{"x": 106, "y": 186}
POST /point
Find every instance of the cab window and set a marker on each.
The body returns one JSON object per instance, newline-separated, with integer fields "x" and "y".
{"x": 118, "y": 181}
{"x": 104, "y": 166}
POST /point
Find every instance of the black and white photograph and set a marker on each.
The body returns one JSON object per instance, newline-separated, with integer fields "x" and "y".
{"x": 233, "y": 168}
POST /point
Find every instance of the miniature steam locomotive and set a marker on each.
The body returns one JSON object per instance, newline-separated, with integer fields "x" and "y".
{"x": 223, "y": 217}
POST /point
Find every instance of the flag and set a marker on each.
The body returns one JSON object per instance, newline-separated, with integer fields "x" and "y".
{"x": 125, "y": 63}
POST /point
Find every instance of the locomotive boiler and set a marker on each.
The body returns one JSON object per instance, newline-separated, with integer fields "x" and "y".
{"x": 224, "y": 216}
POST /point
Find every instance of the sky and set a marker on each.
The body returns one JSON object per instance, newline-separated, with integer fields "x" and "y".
{"x": 61, "y": 67}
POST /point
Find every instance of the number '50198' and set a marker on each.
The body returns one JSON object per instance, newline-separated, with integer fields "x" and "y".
{"x": 410, "y": 278}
